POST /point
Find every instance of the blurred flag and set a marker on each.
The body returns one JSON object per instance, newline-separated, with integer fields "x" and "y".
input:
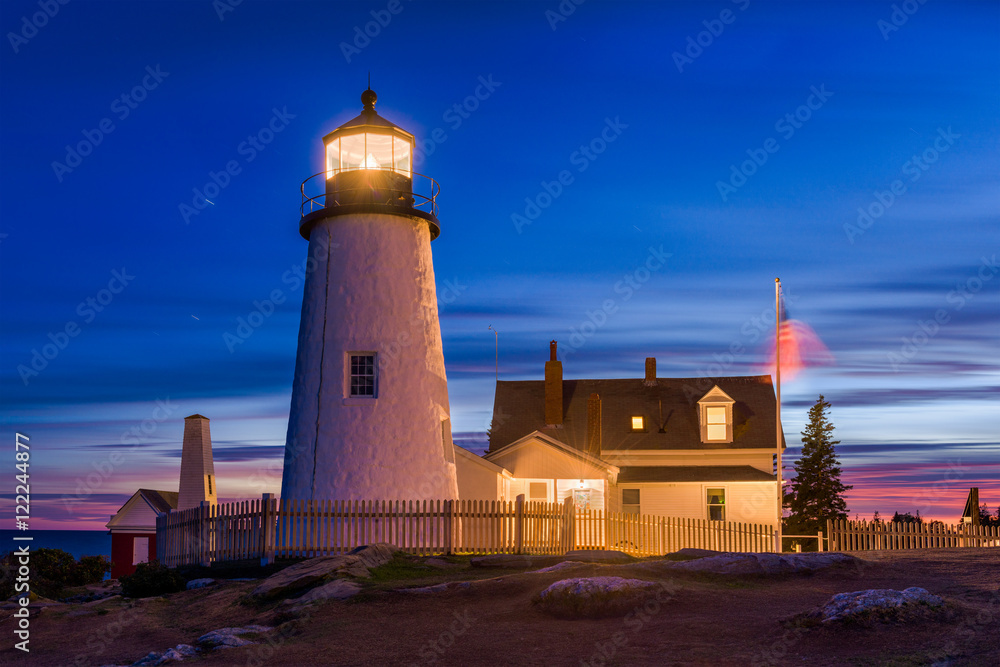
{"x": 800, "y": 347}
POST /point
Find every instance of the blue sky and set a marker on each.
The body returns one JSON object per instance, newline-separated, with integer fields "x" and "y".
{"x": 836, "y": 105}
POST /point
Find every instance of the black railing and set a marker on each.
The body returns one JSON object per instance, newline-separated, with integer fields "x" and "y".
{"x": 383, "y": 187}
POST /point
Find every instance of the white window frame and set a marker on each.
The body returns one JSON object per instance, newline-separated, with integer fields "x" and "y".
{"x": 708, "y": 506}
{"x": 703, "y": 414}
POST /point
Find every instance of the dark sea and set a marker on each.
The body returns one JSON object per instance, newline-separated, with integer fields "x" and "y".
{"x": 77, "y": 542}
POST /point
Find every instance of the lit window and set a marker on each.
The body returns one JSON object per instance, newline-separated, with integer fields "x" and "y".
{"x": 715, "y": 421}
{"x": 368, "y": 150}
{"x": 362, "y": 369}
{"x": 538, "y": 491}
{"x": 716, "y": 504}
{"x": 638, "y": 423}
{"x": 630, "y": 501}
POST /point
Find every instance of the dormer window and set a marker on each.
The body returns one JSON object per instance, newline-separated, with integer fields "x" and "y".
{"x": 638, "y": 423}
{"x": 715, "y": 423}
{"x": 715, "y": 416}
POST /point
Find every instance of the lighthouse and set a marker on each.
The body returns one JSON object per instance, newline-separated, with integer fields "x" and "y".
{"x": 369, "y": 417}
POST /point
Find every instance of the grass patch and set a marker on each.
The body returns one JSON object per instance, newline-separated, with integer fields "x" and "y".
{"x": 402, "y": 567}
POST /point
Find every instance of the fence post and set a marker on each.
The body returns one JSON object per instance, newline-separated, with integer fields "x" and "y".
{"x": 203, "y": 533}
{"x": 161, "y": 538}
{"x": 829, "y": 533}
{"x": 449, "y": 514}
{"x": 568, "y": 536}
{"x": 819, "y": 535}
{"x": 267, "y": 526}
{"x": 519, "y": 524}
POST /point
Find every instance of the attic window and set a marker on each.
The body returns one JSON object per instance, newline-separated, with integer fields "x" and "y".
{"x": 638, "y": 423}
{"x": 715, "y": 422}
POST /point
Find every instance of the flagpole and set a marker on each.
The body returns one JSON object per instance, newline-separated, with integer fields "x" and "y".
{"x": 777, "y": 427}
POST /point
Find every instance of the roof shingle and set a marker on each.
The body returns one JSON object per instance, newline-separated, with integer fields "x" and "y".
{"x": 670, "y": 409}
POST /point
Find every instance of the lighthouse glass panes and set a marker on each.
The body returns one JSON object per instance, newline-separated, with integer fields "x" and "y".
{"x": 362, "y": 369}
{"x": 367, "y": 150}
{"x": 715, "y": 423}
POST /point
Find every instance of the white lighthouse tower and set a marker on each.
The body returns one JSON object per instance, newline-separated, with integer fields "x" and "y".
{"x": 369, "y": 416}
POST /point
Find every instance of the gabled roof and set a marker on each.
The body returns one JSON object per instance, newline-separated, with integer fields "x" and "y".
{"x": 636, "y": 474}
{"x": 716, "y": 395}
{"x": 670, "y": 408}
{"x": 161, "y": 501}
{"x": 157, "y": 501}
{"x": 479, "y": 460}
{"x": 538, "y": 436}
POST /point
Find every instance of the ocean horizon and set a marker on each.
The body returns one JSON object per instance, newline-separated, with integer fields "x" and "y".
{"x": 77, "y": 542}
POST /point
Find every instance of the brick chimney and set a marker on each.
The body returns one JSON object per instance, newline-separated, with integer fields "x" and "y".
{"x": 553, "y": 388}
{"x": 594, "y": 425}
{"x": 650, "y": 380}
{"x": 198, "y": 481}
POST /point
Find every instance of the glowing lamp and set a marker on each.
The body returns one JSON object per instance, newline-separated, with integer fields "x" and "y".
{"x": 368, "y": 142}
{"x": 369, "y": 160}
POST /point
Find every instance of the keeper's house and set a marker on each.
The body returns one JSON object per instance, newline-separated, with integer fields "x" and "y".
{"x": 699, "y": 448}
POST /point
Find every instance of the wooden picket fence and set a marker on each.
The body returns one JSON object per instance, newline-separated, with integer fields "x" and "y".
{"x": 866, "y": 535}
{"x": 648, "y": 535}
{"x": 270, "y": 528}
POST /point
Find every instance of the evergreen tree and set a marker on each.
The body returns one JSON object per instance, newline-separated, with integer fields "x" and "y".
{"x": 816, "y": 493}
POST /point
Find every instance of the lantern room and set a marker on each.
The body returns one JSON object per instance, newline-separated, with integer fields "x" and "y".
{"x": 368, "y": 168}
{"x": 368, "y": 142}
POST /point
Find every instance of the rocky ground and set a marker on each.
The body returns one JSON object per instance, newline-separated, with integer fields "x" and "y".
{"x": 383, "y": 608}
